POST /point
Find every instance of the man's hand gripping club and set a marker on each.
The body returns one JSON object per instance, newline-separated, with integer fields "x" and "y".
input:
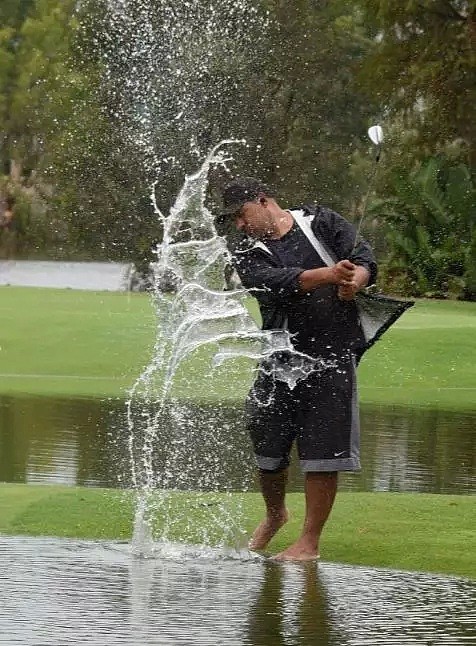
{"x": 348, "y": 277}
{"x": 351, "y": 279}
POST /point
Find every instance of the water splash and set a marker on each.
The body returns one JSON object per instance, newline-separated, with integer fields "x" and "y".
{"x": 175, "y": 79}
{"x": 192, "y": 257}
{"x": 175, "y": 75}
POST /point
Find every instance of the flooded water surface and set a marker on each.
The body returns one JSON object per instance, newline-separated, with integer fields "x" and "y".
{"x": 57, "y": 592}
{"x": 84, "y": 442}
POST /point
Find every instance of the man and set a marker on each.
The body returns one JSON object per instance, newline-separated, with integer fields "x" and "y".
{"x": 296, "y": 289}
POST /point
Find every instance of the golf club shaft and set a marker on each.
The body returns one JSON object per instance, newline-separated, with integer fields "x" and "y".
{"x": 366, "y": 198}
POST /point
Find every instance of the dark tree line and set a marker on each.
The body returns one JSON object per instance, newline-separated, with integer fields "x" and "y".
{"x": 101, "y": 100}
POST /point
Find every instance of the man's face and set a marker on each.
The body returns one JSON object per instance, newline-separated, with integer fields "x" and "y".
{"x": 254, "y": 219}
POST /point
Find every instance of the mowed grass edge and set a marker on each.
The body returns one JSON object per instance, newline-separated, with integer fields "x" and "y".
{"x": 415, "y": 532}
{"x": 95, "y": 344}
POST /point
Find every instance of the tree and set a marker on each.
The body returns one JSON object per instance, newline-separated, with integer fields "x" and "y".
{"x": 12, "y": 15}
{"x": 422, "y": 68}
{"x": 429, "y": 220}
{"x": 470, "y": 275}
{"x": 314, "y": 117}
{"x": 104, "y": 99}
{"x": 14, "y": 12}
{"x": 38, "y": 100}
{"x": 205, "y": 71}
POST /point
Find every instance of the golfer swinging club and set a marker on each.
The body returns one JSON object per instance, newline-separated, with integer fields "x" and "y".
{"x": 304, "y": 270}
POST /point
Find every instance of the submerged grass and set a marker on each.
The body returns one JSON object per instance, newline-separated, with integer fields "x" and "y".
{"x": 94, "y": 344}
{"x": 417, "y": 532}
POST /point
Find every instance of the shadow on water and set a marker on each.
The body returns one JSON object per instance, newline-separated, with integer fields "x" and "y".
{"x": 84, "y": 442}
{"x": 89, "y": 593}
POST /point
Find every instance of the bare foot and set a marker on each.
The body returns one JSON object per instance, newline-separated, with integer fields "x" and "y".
{"x": 266, "y": 530}
{"x": 301, "y": 550}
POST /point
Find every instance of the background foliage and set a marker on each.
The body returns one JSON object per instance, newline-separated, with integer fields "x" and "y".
{"x": 97, "y": 105}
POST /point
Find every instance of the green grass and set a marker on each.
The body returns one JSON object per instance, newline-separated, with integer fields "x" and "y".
{"x": 427, "y": 358}
{"x": 423, "y": 532}
{"x": 90, "y": 344}
{"x": 71, "y": 342}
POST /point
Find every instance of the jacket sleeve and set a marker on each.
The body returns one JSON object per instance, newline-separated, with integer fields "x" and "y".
{"x": 260, "y": 273}
{"x": 339, "y": 235}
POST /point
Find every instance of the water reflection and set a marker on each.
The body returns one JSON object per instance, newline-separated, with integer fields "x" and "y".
{"x": 84, "y": 442}
{"x": 91, "y": 593}
{"x": 60, "y": 441}
{"x": 292, "y": 608}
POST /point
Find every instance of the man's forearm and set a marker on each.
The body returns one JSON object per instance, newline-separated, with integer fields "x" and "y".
{"x": 312, "y": 278}
{"x": 343, "y": 273}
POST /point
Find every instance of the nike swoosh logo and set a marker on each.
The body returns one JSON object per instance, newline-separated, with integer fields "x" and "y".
{"x": 337, "y": 455}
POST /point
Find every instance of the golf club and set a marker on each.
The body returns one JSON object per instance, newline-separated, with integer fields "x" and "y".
{"x": 375, "y": 134}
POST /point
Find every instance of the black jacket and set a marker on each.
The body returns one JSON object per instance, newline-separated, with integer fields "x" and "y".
{"x": 319, "y": 321}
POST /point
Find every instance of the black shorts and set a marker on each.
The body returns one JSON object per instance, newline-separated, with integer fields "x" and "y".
{"x": 320, "y": 413}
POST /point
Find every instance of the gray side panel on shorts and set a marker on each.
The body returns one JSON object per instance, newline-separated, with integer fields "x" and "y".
{"x": 268, "y": 464}
{"x": 346, "y": 464}
{"x": 351, "y": 463}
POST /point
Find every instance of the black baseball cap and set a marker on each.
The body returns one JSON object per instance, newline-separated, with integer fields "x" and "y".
{"x": 240, "y": 191}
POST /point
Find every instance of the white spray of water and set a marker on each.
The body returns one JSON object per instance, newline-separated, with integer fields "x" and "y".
{"x": 199, "y": 314}
{"x": 174, "y": 72}
{"x": 174, "y": 75}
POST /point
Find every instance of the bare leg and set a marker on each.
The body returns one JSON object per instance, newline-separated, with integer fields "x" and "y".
{"x": 321, "y": 490}
{"x": 273, "y": 488}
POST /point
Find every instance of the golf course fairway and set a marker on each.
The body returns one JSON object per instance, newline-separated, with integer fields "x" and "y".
{"x": 95, "y": 344}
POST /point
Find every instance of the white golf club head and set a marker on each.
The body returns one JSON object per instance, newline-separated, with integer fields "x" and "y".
{"x": 376, "y": 134}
